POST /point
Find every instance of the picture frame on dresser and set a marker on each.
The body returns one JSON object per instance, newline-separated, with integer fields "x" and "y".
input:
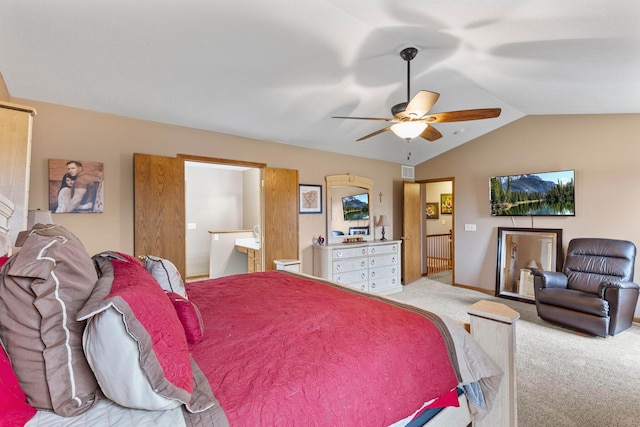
{"x": 310, "y": 199}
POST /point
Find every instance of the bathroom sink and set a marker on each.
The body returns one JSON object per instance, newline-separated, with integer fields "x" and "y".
{"x": 248, "y": 242}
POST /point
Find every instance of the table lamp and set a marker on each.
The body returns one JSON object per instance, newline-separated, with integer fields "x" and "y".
{"x": 382, "y": 222}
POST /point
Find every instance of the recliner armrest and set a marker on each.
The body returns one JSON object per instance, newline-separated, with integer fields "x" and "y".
{"x": 549, "y": 279}
{"x": 617, "y": 285}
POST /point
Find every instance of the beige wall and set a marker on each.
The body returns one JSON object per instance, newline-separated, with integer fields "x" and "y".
{"x": 68, "y": 133}
{"x": 604, "y": 151}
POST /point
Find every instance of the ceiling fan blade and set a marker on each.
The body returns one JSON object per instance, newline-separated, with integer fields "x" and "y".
{"x": 366, "y": 118}
{"x": 374, "y": 133}
{"x": 462, "y": 115}
{"x": 421, "y": 104}
{"x": 431, "y": 134}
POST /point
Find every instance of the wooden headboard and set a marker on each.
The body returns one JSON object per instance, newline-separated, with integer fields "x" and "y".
{"x": 6, "y": 210}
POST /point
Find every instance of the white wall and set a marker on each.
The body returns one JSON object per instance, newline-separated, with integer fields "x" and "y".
{"x": 214, "y": 202}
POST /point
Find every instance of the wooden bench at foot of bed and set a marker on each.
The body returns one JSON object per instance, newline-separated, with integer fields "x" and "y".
{"x": 493, "y": 326}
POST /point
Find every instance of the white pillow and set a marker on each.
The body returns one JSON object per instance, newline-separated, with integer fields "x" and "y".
{"x": 5, "y": 245}
{"x": 110, "y": 351}
{"x": 166, "y": 274}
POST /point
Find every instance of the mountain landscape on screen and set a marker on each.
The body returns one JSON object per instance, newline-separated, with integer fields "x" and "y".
{"x": 535, "y": 194}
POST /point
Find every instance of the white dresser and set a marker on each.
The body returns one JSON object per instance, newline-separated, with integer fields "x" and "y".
{"x": 368, "y": 266}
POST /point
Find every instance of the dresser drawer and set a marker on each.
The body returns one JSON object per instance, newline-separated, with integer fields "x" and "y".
{"x": 381, "y": 261}
{"x": 349, "y": 252}
{"x": 351, "y": 277}
{"x": 384, "y": 249}
{"x": 349, "y": 264}
{"x": 380, "y": 272}
{"x": 377, "y": 285}
{"x": 361, "y": 286}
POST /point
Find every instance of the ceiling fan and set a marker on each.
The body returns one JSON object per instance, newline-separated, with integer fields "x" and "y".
{"x": 411, "y": 118}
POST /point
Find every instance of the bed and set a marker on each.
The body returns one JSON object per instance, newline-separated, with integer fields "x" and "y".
{"x": 134, "y": 345}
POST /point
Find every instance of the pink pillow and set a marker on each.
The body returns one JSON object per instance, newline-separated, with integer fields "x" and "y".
{"x": 3, "y": 260}
{"x": 189, "y": 316}
{"x": 13, "y": 403}
{"x": 151, "y": 368}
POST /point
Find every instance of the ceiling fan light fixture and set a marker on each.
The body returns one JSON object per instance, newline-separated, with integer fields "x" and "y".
{"x": 409, "y": 130}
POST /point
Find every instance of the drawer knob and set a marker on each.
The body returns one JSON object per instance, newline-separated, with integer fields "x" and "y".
{"x": 373, "y": 274}
{"x": 338, "y": 267}
{"x": 373, "y": 250}
{"x": 373, "y": 262}
{"x": 363, "y": 275}
{"x": 373, "y": 285}
{"x": 339, "y": 254}
{"x": 363, "y": 263}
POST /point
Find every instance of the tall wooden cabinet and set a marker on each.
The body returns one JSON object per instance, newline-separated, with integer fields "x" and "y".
{"x": 15, "y": 145}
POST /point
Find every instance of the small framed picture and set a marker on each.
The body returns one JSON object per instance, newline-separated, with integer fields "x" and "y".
{"x": 432, "y": 210}
{"x": 310, "y": 199}
{"x": 446, "y": 204}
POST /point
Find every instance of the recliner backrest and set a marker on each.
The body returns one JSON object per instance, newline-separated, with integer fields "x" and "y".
{"x": 591, "y": 261}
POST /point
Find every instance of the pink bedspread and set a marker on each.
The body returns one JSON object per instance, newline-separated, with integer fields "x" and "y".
{"x": 283, "y": 350}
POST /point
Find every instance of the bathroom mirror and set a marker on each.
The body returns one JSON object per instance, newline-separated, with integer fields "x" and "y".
{"x": 520, "y": 250}
{"x": 349, "y": 213}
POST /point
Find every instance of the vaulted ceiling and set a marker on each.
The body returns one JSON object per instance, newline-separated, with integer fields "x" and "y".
{"x": 278, "y": 70}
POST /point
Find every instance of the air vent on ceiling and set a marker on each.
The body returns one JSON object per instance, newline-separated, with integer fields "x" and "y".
{"x": 407, "y": 172}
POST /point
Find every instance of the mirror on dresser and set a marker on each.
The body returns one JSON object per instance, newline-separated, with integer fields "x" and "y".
{"x": 349, "y": 213}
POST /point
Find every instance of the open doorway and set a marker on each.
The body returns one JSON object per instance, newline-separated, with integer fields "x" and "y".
{"x": 222, "y": 203}
{"x": 438, "y": 242}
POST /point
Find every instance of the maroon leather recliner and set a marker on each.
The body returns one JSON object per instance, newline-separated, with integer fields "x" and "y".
{"x": 594, "y": 293}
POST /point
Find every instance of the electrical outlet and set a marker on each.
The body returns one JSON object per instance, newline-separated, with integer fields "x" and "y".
{"x": 191, "y": 226}
{"x": 469, "y": 227}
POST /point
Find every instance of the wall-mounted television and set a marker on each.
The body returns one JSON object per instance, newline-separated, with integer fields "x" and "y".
{"x": 533, "y": 194}
{"x": 355, "y": 207}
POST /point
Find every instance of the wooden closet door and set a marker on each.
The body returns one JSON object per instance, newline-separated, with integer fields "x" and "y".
{"x": 15, "y": 160}
{"x": 411, "y": 239}
{"x": 280, "y": 216}
{"x": 159, "y": 208}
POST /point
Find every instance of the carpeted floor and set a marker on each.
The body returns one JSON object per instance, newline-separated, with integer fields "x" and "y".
{"x": 564, "y": 379}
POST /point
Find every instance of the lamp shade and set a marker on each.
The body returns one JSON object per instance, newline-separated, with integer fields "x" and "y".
{"x": 408, "y": 130}
{"x": 38, "y": 217}
{"x": 532, "y": 265}
{"x": 382, "y": 221}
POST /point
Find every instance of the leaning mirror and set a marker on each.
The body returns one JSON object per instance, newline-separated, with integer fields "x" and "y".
{"x": 521, "y": 250}
{"x": 349, "y": 214}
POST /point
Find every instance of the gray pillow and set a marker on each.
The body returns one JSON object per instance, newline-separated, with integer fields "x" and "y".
{"x": 166, "y": 274}
{"x": 42, "y": 288}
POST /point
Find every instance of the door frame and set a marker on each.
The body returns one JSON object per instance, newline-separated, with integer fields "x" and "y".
{"x": 423, "y": 193}
{"x": 422, "y": 200}
{"x": 239, "y": 163}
